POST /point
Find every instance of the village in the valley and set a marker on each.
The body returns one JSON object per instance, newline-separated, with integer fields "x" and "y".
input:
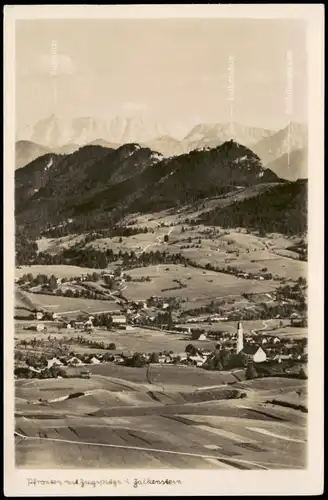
{"x": 77, "y": 338}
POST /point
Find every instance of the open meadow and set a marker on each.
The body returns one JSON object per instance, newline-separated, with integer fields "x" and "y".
{"x": 190, "y": 284}
{"x": 64, "y": 305}
{"x": 113, "y": 425}
{"x": 60, "y": 271}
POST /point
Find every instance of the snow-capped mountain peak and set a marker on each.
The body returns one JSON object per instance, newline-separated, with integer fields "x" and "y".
{"x": 56, "y": 131}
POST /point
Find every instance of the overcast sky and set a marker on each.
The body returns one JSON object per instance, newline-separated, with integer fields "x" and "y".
{"x": 174, "y": 70}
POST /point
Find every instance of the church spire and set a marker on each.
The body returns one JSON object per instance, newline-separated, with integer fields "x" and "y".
{"x": 240, "y": 338}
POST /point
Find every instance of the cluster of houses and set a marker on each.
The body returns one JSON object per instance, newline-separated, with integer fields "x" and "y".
{"x": 257, "y": 348}
{"x": 265, "y": 348}
{"x": 168, "y": 358}
{"x": 250, "y": 276}
{"x": 87, "y": 324}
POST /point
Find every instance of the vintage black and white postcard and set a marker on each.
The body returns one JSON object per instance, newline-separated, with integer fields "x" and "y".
{"x": 163, "y": 250}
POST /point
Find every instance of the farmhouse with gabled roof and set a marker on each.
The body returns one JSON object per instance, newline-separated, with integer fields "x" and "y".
{"x": 255, "y": 353}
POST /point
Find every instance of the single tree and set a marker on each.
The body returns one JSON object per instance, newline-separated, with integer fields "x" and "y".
{"x": 191, "y": 349}
{"x": 154, "y": 358}
{"x": 250, "y": 372}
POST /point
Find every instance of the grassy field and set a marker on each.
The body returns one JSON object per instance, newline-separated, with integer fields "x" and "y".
{"x": 136, "y": 339}
{"x": 199, "y": 284}
{"x": 289, "y": 332}
{"x": 60, "y": 271}
{"x": 53, "y": 245}
{"x": 248, "y": 252}
{"x": 231, "y": 326}
{"x": 159, "y": 442}
{"x": 144, "y": 340}
{"x": 62, "y": 305}
{"x": 106, "y": 429}
{"x": 165, "y": 375}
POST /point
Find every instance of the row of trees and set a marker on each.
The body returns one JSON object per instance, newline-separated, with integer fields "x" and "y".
{"x": 97, "y": 259}
{"x": 93, "y": 344}
{"x": 78, "y": 227}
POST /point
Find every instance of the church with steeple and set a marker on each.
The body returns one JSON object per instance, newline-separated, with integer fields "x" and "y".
{"x": 254, "y": 352}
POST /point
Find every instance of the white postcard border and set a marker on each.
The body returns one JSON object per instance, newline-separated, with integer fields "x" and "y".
{"x": 288, "y": 482}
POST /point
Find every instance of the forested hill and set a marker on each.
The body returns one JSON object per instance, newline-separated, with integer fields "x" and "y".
{"x": 97, "y": 182}
{"x": 282, "y": 209}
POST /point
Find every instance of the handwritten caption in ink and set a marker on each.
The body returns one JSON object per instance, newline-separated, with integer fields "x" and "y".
{"x": 94, "y": 483}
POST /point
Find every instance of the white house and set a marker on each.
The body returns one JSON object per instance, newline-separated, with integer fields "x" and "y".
{"x": 119, "y": 321}
{"x": 39, "y": 327}
{"x": 39, "y": 315}
{"x": 276, "y": 340}
{"x": 255, "y": 353}
{"x": 54, "y": 362}
{"x": 74, "y": 361}
{"x": 198, "y": 336}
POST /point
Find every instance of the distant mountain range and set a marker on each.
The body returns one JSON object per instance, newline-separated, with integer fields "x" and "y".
{"x": 291, "y": 166}
{"x": 284, "y": 151}
{"x": 293, "y": 137}
{"x": 54, "y": 132}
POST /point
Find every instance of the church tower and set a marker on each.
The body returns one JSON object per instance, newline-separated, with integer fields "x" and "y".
{"x": 240, "y": 338}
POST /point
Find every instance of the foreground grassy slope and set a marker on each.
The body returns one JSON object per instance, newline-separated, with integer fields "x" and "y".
{"x": 178, "y": 430}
